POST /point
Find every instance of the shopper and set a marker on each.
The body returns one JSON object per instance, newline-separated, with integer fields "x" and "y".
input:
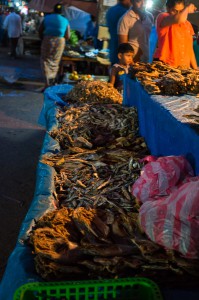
{"x": 175, "y": 35}
{"x": 12, "y": 24}
{"x": 196, "y": 48}
{"x": 125, "y": 57}
{"x": 112, "y": 17}
{"x": 134, "y": 27}
{"x": 54, "y": 31}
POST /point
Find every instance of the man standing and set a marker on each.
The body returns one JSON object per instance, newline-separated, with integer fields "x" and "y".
{"x": 134, "y": 28}
{"x": 112, "y": 17}
{"x": 12, "y": 24}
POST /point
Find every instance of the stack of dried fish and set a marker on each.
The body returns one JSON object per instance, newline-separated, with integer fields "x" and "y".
{"x": 160, "y": 78}
{"x": 173, "y": 84}
{"x": 101, "y": 157}
{"x": 97, "y": 178}
{"x": 95, "y": 91}
{"x": 90, "y": 126}
{"x": 92, "y": 243}
{"x": 95, "y": 232}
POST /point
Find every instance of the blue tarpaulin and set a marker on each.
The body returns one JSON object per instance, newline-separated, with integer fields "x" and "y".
{"x": 20, "y": 267}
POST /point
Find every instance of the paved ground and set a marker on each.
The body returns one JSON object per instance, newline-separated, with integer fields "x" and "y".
{"x": 20, "y": 144}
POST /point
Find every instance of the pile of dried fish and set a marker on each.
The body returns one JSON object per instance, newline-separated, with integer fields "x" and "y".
{"x": 90, "y": 126}
{"x": 93, "y": 243}
{"x": 160, "y": 78}
{"x": 101, "y": 156}
{"x": 95, "y": 232}
{"x": 95, "y": 91}
{"x": 97, "y": 178}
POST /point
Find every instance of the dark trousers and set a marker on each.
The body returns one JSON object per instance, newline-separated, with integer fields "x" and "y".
{"x": 13, "y": 46}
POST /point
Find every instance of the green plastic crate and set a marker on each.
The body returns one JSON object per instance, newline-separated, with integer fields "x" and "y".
{"x": 118, "y": 289}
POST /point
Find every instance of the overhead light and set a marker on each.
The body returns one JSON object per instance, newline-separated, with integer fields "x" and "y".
{"x": 17, "y": 4}
{"x": 149, "y": 4}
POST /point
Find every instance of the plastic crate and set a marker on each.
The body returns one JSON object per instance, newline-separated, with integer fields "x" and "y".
{"x": 119, "y": 289}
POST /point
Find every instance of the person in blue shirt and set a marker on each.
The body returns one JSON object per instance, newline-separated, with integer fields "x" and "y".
{"x": 54, "y": 31}
{"x": 91, "y": 32}
{"x": 196, "y": 50}
{"x": 91, "y": 27}
{"x": 113, "y": 15}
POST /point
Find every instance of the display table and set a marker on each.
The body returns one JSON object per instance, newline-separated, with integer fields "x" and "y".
{"x": 72, "y": 61}
{"x": 163, "y": 134}
{"x": 163, "y": 122}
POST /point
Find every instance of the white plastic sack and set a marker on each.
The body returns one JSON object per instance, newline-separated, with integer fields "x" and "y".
{"x": 173, "y": 222}
{"x": 161, "y": 176}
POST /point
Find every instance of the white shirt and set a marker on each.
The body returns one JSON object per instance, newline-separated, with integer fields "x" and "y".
{"x": 13, "y": 24}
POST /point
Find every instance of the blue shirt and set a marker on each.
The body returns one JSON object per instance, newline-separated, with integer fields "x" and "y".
{"x": 55, "y": 25}
{"x": 112, "y": 17}
{"x": 196, "y": 51}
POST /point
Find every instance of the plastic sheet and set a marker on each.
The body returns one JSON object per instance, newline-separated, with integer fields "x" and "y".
{"x": 11, "y": 74}
{"x": 160, "y": 177}
{"x": 162, "y": 123}
{"x": 20, "y": 266}
{"x": 173, "y": 222}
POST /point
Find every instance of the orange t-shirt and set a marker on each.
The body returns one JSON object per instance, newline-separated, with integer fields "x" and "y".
{"x": 175, "y": 42}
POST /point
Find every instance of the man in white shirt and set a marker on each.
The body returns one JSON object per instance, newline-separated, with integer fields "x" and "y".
{"x": 12, "y": 24}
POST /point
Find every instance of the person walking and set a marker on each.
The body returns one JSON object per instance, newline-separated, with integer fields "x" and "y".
{"x": 12, "y": 24}
{"x": 113, "y": 15}
{"x": 134, "y": 27}
{"x": 54, "y": 31}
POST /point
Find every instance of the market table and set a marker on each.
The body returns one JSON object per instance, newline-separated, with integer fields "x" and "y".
{"x": 20, "y": 266}
{"x": 166, "y": 122}
{"x": 72, "y": 61}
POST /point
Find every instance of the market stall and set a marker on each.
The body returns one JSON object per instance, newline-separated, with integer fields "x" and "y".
{"x": 91, "y": 64}
{"x": 21, "y": 261}
{"x": 168, "y": 123}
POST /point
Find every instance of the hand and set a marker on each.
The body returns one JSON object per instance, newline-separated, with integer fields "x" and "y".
{"x": 191, "y": 8}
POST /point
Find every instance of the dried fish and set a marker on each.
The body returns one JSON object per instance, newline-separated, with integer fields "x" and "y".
{"x": 95, "y": 91}
{"x": 160, "y": 78}
{"x": 94, "y": 126}
{"x": 83, "y": 243}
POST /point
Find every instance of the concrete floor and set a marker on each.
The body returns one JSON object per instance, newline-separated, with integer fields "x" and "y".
{"x": 20, "y": 144}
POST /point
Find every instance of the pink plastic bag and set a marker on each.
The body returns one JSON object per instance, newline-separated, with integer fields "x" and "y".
{"x": 160, "y": 176}
{"x": 173, "y": 222}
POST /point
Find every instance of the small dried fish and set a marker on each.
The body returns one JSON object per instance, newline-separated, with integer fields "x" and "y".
{"x": 160, "y": 78}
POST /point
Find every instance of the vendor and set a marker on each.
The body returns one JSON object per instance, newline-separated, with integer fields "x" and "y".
{"x": 175, "y": 35}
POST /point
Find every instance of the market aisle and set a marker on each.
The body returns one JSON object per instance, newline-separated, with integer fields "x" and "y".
{"x": 20, "y": 144}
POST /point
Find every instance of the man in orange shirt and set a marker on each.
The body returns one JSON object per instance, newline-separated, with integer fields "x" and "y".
{"x": 175, "y": 35}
